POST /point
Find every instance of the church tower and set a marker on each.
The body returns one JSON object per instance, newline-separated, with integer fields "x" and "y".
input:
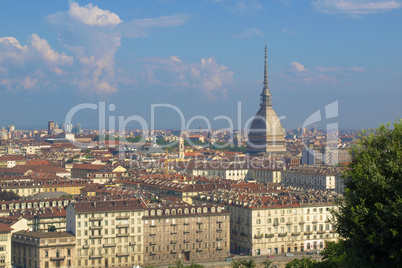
{"x": 266, "y": 133}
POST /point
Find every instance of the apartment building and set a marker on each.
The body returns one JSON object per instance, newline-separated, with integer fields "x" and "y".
{"x": 264, "y": 225}
{"x": 316, "y": 178}
{"x": 108, "y": 233}
{"x": 5, "y": 246}
{"x": 186, "y": 232}
{"x": 43, "y": 249}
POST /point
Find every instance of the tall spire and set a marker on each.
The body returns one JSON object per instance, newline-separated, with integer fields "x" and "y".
{"x": 266, "y": 85}
{"x": 266, "y": 95}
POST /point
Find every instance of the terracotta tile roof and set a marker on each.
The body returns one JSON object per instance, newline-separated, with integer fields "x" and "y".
{"x": 4, "y": 228}
{"x": 104, "y": 206}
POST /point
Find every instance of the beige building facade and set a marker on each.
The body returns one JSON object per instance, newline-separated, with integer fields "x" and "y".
{"x": 186, "y": 232}
{"x": 5, "y": 246}
{"x": 43, "y": 249}
{"x": 108, "y": 233}
{"x": 266, "y": 225}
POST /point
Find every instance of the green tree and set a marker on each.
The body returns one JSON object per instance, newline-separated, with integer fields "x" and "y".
{"x": 334, "y": 255}
{"x": 370, "y": 217}
{"x": 244, "y": 264}
{"x": 302, "y": 263}
{"x": 266, "y": 263}
{"x": 179, "y": 264}
{"x": 8, "y": 196}
{"x": 51, "y": 228}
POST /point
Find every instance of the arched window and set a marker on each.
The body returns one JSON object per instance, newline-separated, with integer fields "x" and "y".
{"x": 152, "y": 213}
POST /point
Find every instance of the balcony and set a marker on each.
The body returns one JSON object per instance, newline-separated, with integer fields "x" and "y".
{"x": 109, "y": 245}
{"x": 122, "y": 217}
{"x": 60, "y": 258}
{"x": 302, "y": 222}
{"x": 173, "y": 251}
{"x": 321, "y": 232}
{"x": 308, "y": 233}
{"x": 152, "y": 253}
{"x": 219, "y": 230}
{"x": 132, "y": 243}
{"x": 219, "y": 238}
{"x": 152, "y": 234}
{"x": 152, "y": 243}
{"x": 186, "y": 231}
{"x": 199, "y": 223}
{"x": 198, "y": 249}
{"x": 314, "y": 221}
{"x": 96, "y": 219}
{"x": 333, "y": 231}
{"x": 152, "y": 225}
{"x": 122, "y": 254}
{"x": 121, "y": 235}
{"x": 85, "y": 246}
{"x": 173, "y": 233}
{"x": 95, "y": 227}
{"x": 186, "y": 223}
{"x": 199, "y": 231}
{"x": 173, "y": 242}
{"x": 95, "y": 256}
{"x": 295, "y": 233}
{"x": 276, "y": 223}
{"x": 258, "y": 236}
{"x": 219, "y": 247}
{"x": 186, "y": 241}
{"x": 269, "y": 235}
{"x": 122, "y": 226}
{"x": 282, "y": 235}
{"x": 95, "y": 236}
{"x": 199, "y": 240}
{"x": 289, "y": 223}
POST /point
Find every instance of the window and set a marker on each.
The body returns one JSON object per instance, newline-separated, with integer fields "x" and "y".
{"x": 46, "y": 253}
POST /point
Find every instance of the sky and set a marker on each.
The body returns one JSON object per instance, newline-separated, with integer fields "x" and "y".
{"x": 202, "y": 60}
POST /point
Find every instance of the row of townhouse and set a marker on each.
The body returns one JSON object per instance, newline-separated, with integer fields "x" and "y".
{"x": 316, "y": 178}
{"x": 274, "y": 224}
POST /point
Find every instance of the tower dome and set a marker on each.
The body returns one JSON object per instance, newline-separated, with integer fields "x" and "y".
{"x": 266, "y": 132}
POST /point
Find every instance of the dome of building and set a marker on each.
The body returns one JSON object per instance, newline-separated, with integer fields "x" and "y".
{"x": 266, "y": 132}
{"x": 3, "y": 135}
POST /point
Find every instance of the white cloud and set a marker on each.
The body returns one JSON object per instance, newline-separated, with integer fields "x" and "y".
{"x": 356, "y": 69}
{"x": 356, "y": 8}
{"x": 28, "y": 83}
{"x": 298, "y": 67}
{"x": 141, "y": 27}
{"x": 90, "y": 36}
{"x": 250, "y": 33}
{"x": 92, "y": 15}
{"x": 241, "y": 6}
{"x": 289, "y": 32}
{"x": 327, "y": 69}
{"x": 209, "y": 77}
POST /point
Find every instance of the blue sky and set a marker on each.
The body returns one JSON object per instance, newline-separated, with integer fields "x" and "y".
{"x": 202, "y": 57}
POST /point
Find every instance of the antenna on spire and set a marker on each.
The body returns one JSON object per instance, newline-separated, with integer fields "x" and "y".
{"x": 266, "y": 95}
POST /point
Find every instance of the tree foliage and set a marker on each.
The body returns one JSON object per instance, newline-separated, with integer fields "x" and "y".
{"x": 244, "y": 263}
{"x": 179, "y": 264}
{"x": 8, "y": 196}
{"x": 369, "y": 220}
{"x": 302, "y": 263}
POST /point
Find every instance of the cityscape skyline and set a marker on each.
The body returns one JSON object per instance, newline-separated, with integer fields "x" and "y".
{"x": 203, "y": 58}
